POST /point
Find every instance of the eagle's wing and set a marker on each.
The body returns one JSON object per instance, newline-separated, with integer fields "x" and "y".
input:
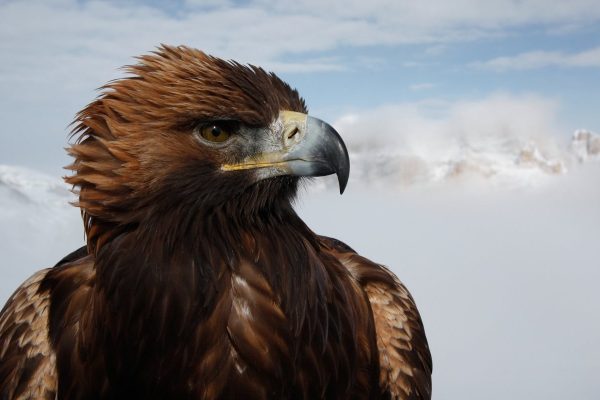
{"x": 404, "y": 357}
{"x": 27, "y": 361}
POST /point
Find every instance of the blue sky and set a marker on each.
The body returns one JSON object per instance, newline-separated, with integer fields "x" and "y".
{"x": 346, "y": 58}
{"x": 451, "y": 71}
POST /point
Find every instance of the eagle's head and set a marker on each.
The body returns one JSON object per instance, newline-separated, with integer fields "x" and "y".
{"x": 186, "y": 134}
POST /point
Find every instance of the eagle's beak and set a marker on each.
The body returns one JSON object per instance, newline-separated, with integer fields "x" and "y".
{"x": 302, "y": 146}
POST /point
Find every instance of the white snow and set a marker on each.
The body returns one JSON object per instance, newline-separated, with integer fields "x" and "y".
{"x": 585, "y": 145}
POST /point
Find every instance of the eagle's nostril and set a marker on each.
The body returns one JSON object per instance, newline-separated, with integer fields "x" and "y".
{"x": 292, "y": 133}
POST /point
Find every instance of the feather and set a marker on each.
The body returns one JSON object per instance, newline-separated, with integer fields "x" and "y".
{"x": 404, "y": 356}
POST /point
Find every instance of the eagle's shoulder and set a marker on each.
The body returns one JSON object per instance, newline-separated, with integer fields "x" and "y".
{"x": 404, "y": 356}
{"x": 27, "y": 357}
{"x": 27, "y": 361}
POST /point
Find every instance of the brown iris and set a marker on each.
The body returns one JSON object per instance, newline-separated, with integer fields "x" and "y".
{"x": 215, "y": 133}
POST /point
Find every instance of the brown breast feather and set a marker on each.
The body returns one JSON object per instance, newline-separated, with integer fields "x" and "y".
{"x": 28, "y": 363}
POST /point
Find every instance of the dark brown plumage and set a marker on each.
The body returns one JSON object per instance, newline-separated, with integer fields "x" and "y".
{"x": 199, "y": 281}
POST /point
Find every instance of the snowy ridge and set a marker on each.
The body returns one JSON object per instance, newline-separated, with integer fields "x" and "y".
{"x": 26, "y": 185}
{"x": 585, "y": 145}
{"x": 496, "y": 160}
{"x": 30, "y": 198}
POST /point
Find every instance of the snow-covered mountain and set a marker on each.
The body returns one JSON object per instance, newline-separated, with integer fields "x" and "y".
{"x": 585, "y": 145}
{"x": 31, "y": 187}
{"x": 495, "y": 160}
{"x": 33, "y": 198}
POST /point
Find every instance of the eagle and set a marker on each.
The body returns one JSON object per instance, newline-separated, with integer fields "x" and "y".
{"x": 198, "y": 279}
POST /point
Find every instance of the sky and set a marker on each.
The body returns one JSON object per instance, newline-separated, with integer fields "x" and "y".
{"x": 346, "y": 58}
{"x": 459, "y": 117}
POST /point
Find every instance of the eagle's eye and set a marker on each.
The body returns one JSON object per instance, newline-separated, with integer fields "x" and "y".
{"x": 215, "y": 132}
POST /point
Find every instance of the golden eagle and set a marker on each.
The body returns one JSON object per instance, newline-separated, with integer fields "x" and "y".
{"x": 199, "y": 280}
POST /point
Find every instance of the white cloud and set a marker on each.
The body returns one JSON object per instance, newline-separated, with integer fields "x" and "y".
{"x": 308, "y": 65}
{"x": 436, "y": 50}
{"x": 498, "y": 114}
{"x": 90, "y": 36}
{"x": 80, "y": 44}
{"x": 542, "y": 59}
{"x": 421, "y": 86}
{"x": 503, "y": 139}
{"x": 433, "y": 18}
